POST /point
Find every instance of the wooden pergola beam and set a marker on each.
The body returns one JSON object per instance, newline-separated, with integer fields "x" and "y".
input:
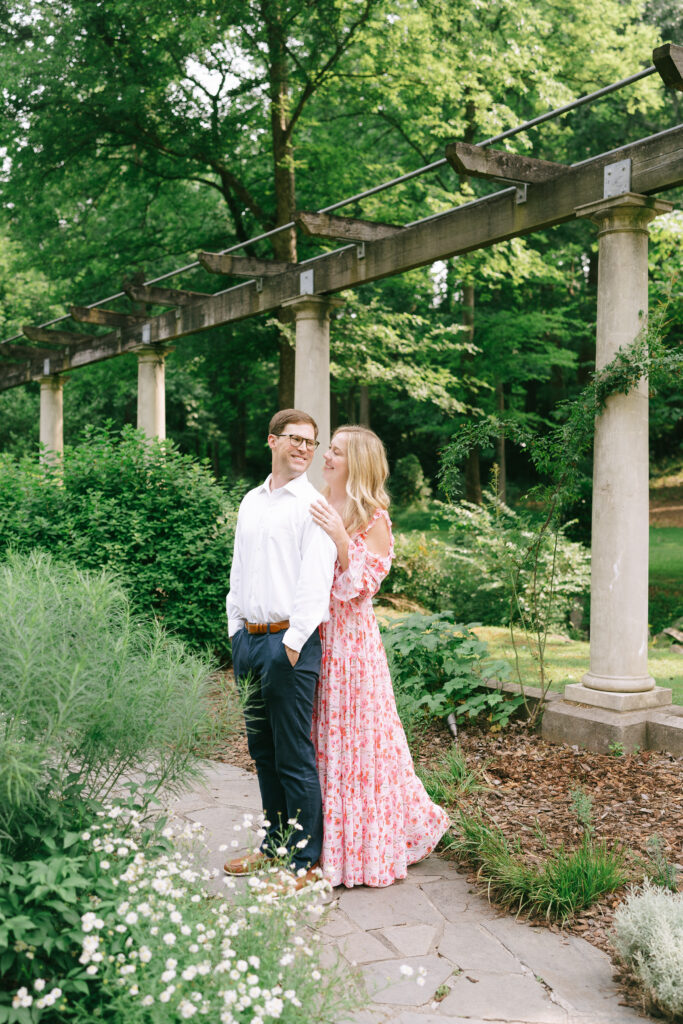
{"x": 668, "y": 59}
{"x": 52, "y": 338}
{"x": 14, "y": 352}
{"x": 162, "y": 296}
{"x": 242, "y": 266}
{"x": 656, "y": 165}
{"x": 104, "y": 317}
{"x": 346, "y": 229}
{"x": 496, "y": 163}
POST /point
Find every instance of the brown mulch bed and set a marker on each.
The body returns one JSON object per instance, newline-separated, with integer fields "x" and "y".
{"x": 529, "y": 786}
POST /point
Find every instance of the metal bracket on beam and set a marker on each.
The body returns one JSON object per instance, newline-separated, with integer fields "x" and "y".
{"x": 259, "y": 284}
{"x": 617, "y": 179}
{"x": 146, "y": 334}
{"x": 306, "y": 282}
{"x": 360, "y": 251}
{"x": 46, "y": 367}
{"x": 520, "y": 193}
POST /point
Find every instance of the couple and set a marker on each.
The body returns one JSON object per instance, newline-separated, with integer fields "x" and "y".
{"x": 331, "y": 754}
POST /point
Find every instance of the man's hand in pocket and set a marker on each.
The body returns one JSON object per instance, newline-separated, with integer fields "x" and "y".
{"x": 292, "y": 655}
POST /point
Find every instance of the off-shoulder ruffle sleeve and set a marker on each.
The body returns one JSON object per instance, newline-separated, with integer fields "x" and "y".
{"x": 365, "y": 571}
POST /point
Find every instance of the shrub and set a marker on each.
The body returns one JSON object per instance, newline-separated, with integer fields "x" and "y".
{"x": 153, "y": 515}
{"x": 648, "y": 938}
{"x": 419, "y": 571}
{"x": 87, "y": 693}
{"x": 496, "y": 577}
{"x": 118, "y": 925}
{"x": 441, "y": 665}
{"x": 408, "y": 484}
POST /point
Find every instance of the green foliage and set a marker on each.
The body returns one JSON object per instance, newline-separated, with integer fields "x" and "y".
{"x": 51, "y": 878}
{"x": 502, "y": 572}
{"x": 566, "y": 881}
{"x": 420, "y": 570}
{"x": 657, "y": 869}
{"x": 88, "y": 693}
{"x": 408, "y": 484}
{"x": 451, "y": 777}
{"x": 648, "y": 938}
{"x": 141, "y": 508}
{"x": 442, "y": 666}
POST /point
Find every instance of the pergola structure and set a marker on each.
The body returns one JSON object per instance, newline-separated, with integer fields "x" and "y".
{"x": 617, "y": 700}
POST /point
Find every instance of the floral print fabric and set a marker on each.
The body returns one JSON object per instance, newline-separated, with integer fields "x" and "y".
{"x": 377, "y": 817}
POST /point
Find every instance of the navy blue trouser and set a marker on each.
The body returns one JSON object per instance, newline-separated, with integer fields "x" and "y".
{"x": 278, "y": 714}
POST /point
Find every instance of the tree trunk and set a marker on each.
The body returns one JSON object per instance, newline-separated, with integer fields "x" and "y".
{"x": 364, "y": 417}
{"x": 500, "y": 444}
{"x": 472, "y": 469}
{"x": 284, "y": 243}
{"x": 239, "y": 439}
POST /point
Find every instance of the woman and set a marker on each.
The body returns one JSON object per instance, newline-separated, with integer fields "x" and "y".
{"x": 377, "y": 817}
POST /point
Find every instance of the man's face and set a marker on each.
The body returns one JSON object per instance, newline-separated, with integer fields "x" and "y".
{"x": 290, "y": 460}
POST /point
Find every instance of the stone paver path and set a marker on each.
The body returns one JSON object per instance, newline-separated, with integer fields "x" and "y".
{"x": 497, "y": 969}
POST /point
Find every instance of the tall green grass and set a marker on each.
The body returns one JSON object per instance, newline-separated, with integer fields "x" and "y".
{"x": 88, "y": 692}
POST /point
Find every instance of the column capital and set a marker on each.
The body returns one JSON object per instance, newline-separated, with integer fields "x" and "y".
{"x": 152, "y": 353}
{"x": 628, "y": 212}
{"x": 52, "y": 382}
{"x": 311, "y": 307}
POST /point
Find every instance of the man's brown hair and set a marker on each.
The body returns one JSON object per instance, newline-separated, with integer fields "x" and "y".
{"x": 285, "y": 416}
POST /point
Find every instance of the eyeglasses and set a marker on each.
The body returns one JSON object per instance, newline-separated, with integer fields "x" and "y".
{"x": 297, "y": 441}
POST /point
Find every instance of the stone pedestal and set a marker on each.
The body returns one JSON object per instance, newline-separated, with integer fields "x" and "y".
{"x": 152, "y": 391}
{"x": 52, "y": 417}
{"x": 617, "y": 690}
{"x": 311, "y": 315}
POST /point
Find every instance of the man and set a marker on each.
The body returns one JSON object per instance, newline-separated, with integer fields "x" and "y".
{"x": 280, "y": 586}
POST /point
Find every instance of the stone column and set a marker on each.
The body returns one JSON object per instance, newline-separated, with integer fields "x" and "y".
{"x": 618, "y": 679}
{"x": 152, "y": 391}
{"x": 311, "y": 315}
{"x": 52, "y": 417}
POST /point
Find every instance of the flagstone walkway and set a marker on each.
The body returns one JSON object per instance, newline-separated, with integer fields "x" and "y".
{"x": 496, "y": 969}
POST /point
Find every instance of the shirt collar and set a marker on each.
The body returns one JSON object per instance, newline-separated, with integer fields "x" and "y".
{"x": 294, "y": 486}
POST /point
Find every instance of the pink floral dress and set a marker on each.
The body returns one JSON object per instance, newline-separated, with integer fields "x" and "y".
{"x": 377, "y": 817}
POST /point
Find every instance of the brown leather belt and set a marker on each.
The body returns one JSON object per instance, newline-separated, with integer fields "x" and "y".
{"x": 267, "y": 627}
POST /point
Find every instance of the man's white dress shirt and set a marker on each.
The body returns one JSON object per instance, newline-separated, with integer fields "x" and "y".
{"x": 283, "y": 563}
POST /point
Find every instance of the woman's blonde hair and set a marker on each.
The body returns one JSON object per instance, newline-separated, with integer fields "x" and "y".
{"x": 368, "y": 472}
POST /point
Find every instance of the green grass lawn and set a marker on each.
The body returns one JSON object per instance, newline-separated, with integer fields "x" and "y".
{"x": 567, "y": 660}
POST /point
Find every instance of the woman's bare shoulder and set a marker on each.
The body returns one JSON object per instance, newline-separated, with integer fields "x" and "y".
{"x": 378, "y": 536}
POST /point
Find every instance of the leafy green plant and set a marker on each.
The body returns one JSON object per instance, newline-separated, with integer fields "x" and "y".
{"x": 582, "y": 805}
{"x": 451, "y": 777}
{"x": 616, "y": 748}
{"x": 648, "y": 939}
{"x": 420, "y": 570}
{"x": 557, "y": 457}
{"x": 408, "y": 484}
{"x": 657, "y": 868}
{"x": 442, "y": 665}
{"x": 139, "y": 507}
{"x": 566, "y": 881}
{"x": 88, "y": 692}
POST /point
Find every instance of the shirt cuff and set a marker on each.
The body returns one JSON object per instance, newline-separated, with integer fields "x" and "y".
{"x": 294, "y": 639}
{"x": 234, "y": 625}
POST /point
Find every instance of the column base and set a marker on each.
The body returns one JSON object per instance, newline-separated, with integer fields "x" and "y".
{"x": 639, "y": 700}
{"x": 600, "y": 729}
{"x": 618, "y": 684}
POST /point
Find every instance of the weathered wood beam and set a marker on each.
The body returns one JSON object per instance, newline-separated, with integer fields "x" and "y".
{"x": 668, "y": 59}
{"x": 56, "y": 339}
{"x": 347, "y": 229}
{"x": 162, "y": 296}
{"x": 19, "y": 353}
{"x": 656, "y": 165}
{"x": 495, "y": 163}
{"x": 241, "y": 266}
{"x": 104, "y": 317}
